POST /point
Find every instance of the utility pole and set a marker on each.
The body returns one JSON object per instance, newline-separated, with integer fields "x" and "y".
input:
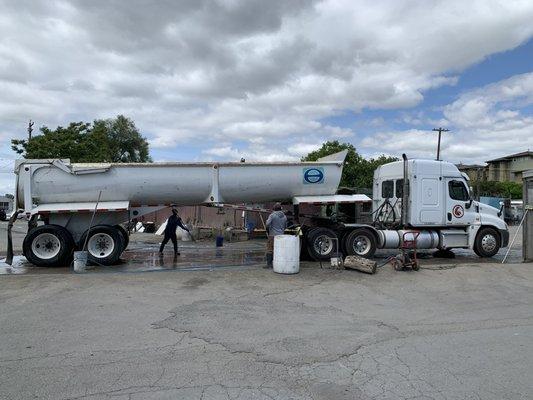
{"x": 440, "y": 130}
{"x": 30, "y": 129}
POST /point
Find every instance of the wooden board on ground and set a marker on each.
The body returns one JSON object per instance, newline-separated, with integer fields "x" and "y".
{"x": 360, "y": 264}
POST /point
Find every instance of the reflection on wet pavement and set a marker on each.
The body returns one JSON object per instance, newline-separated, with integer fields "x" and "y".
{"x": 20, "y": 266}
{"x": 192, "y": 257}
{"x": 204, "y": 256}
{"x": 144, "y": 257}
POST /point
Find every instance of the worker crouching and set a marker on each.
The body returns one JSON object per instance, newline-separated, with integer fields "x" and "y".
{"x": 276, "y": 225}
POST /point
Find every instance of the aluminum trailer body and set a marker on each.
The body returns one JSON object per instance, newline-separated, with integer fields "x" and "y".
{"x": 43, "y": 182}
{"x": 64, "y": 195}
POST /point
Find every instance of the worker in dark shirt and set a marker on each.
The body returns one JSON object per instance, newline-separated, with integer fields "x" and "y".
{"x": 170, "y": 231}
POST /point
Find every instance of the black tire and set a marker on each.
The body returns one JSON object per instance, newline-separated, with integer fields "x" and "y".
{"x": 321, "y": 243}
{"x": 344, "y": 243}
{"x": 125, "y": 236}
{"x": 104, "y": 245}
{"x": 360, "y": 242}
{"x": 487, "y": 242}
{"x": 48, "y": 246}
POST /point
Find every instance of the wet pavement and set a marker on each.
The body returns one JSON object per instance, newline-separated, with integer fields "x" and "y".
{"x": 193, "y": 257}
{"x": 145, "y": 257}
{"x": 142, "y": 255}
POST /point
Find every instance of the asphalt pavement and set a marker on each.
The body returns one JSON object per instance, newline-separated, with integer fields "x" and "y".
{"x": 456, "y": 329}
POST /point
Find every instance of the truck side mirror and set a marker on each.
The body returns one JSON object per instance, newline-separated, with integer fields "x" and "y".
{"x": 502, "y": 204}
{"x": 469, "y": 204}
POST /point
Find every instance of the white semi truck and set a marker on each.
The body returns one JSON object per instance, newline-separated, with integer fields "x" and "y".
{"x": 438, "y": 207}
{"x": 429, "y": 197}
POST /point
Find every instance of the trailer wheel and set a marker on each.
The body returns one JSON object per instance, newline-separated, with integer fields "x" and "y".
{"x": 321, "y": 243}
{"x": 487, "y": 242}
{"x": 125, "y": 236}
{"x": 48, "y": 246}
{"x": 361, "y": 242}
{"x": 104, "y": 245}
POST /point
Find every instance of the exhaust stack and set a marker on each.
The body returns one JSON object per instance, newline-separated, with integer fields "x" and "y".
{"x": 405, "y": 191}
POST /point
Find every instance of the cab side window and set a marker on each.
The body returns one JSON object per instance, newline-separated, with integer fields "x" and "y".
{"x": 458, "y": 191}
{"x": 399, "y": 188}
{"x": 387, "y": 189}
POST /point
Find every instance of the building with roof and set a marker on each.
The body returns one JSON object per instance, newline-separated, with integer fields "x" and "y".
{"x": 6, "y": 203}
{"x": 474, "y": 171}
{"x": 510, "y": 168}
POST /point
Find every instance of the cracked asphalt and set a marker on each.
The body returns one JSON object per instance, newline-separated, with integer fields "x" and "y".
{"x": 457, "y": 330}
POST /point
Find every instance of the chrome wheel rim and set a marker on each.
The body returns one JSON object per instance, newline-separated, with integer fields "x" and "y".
{"x": 100, "y": 245}
{"x": 46, "y": 246}
{"x": 361, "y": 245}
{"x": 488, "y": 243}
{"x": 323, "y": 244}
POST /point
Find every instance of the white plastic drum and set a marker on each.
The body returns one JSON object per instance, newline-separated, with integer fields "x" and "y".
{"x": 286, "y": 254}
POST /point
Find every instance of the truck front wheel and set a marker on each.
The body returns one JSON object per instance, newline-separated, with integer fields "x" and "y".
{"x": 48, "y": 246}
{"x": 361, "y": 242}
{"x": 487, "y": 242}
{"x": 104, "y": 245}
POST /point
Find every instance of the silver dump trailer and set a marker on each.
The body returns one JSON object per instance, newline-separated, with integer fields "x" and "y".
{"x": 59, "y": 197}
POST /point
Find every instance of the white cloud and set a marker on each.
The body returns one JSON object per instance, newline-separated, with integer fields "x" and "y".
{"x": 302, "y": 149}
{"x": 485, "y": 123}
{"x": 490, "y": 106}
{"x": 261, "y": 75}
{"x": 226, "y": 152}
{"x": 253, "y": 153}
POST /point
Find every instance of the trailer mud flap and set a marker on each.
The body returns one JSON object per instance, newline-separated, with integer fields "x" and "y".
{"x": 9, "y": 256}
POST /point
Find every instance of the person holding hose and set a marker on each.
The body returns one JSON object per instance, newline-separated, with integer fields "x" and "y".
{"x": 276, "y": 225}
{"x": 170, "y": 231}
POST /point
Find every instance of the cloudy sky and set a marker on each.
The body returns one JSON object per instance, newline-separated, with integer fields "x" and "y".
{"x": 272, "y": 80}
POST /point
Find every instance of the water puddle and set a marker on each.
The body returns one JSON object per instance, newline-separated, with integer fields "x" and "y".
{"x": 146, "y": 257}
{"x": 20, "y": 266}
{"x": 191, "y": 258}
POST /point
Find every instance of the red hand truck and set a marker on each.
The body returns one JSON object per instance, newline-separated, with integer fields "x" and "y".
{"x": 407, "y": 258}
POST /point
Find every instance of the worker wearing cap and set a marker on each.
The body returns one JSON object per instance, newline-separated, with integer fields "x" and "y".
{"x": 276, "y": 225}
{"x": 170, "y": 231}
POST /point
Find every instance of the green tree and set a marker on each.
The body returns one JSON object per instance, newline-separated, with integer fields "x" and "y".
{"x": 125, "y": 143}
{"x": 357, "y": 172}
{"x": 112, "y": 140}
{"x": 511, "y": 190}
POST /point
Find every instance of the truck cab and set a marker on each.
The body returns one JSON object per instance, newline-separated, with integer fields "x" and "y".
{"x": 438, "y": 199}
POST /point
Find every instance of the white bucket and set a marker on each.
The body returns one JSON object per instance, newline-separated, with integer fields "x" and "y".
{"x": 286, "y": 254}
{"x": 80, "y": 261}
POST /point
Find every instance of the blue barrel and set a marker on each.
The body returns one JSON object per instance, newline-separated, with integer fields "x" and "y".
{"x": 219, "y": 241}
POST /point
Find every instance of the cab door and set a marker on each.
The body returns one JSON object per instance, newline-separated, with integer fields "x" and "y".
{"x": 458, "y": 205}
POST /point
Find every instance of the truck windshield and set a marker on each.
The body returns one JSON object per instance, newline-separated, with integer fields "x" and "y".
{"x": 458, "y": 191}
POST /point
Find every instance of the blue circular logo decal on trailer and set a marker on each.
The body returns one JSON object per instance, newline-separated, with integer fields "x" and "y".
{"x": 313, "y": 175}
